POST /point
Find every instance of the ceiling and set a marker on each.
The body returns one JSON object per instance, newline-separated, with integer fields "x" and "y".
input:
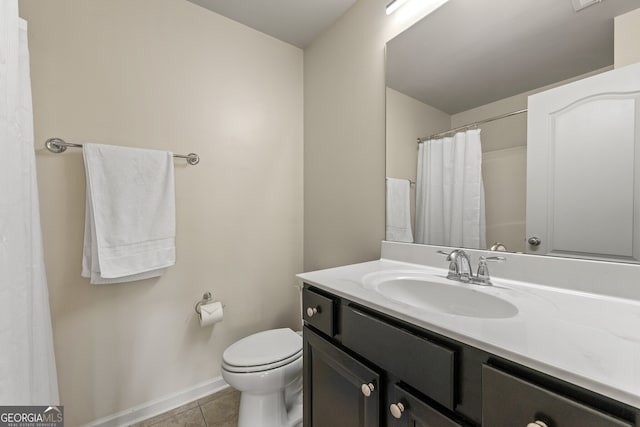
{"x": 297, "y": 22}
{"x": 469, "y": 53}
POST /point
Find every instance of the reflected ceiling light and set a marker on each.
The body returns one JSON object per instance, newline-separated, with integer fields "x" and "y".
{"x": 395, "y": 5}
{"x": 431, "y": 4}
{"x": 581, "y": 4}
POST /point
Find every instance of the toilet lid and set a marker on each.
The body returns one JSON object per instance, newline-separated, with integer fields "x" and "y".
{"x": 263, "y": 348}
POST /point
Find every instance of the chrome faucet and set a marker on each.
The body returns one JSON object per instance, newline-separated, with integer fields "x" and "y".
{"x": 460, "y": 267}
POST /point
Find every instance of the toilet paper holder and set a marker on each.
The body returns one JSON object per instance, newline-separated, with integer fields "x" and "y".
{"x": 206, "y": 298}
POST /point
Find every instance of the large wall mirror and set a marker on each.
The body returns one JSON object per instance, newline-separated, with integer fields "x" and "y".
{"x": 480, "y": 61}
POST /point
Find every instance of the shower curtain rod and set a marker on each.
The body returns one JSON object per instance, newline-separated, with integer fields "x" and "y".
{"x": 57, "y": 145}
{"x": 469, "y": 126}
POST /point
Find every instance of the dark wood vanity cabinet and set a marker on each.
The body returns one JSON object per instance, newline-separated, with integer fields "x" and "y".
{"x": 360, "y": 371}
{"x": 364, "y": 369}
{"x": 345, "y": 392}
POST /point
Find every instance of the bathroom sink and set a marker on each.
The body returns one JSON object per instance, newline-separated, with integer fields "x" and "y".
{"x": 436, "y": 293}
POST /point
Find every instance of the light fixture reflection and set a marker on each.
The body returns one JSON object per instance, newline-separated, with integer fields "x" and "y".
{"x": 395, "y": 5}
{"x": 431, "y": 4}
{"x": 578, "y": 5}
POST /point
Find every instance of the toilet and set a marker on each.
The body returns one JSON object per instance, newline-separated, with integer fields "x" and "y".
{"x": 267, "y": 369}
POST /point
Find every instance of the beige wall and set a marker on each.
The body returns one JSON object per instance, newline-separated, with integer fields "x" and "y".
{"x": 344, "y": 128}
{"x": 627, "y": 38}
{"x": 167, "y": 74}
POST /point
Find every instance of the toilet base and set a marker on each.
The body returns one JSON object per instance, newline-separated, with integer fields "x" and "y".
{"x": 268, "y": 410}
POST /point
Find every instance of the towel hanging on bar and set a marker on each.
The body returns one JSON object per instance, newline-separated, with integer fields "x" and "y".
{"x": 130, "y": 213}
{"x": 58, "y": 145}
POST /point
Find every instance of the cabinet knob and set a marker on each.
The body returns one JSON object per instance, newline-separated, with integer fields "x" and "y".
{"x": 537, "y": 424}
{"x": 367, "y": 389}
{"x": 312, "y": 311}
{"x": 396, "y": 409}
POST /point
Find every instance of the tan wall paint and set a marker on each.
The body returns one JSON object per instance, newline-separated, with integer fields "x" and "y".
{"x": 627, "y": 38}
{"x": 167, "y": 74}
{"x": 344, "y": 127}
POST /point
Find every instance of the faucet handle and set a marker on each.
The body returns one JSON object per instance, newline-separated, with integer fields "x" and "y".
{"x": 482, "y": 276}
{"x": 454, "y": 270}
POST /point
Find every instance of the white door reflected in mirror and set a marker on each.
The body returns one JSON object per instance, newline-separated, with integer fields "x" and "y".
{"x": 583, "y": 197}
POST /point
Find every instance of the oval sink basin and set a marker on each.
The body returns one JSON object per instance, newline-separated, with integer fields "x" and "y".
{"x": 433, "y": 294}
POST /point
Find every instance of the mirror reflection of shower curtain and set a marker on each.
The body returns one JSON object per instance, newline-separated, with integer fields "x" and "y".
{"x": 27, "y": 362}
{"x": 450, "y": 193}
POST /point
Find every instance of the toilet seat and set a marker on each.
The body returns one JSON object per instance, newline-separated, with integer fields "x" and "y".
{"x": 261, "y": 368}
{"x": 263, "y": 351}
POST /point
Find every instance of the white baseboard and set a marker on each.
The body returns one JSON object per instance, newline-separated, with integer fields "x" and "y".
{"x": 158, "y": 406}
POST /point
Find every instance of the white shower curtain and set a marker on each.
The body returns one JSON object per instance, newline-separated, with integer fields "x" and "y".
{"x": 27, "y": 363}
{"x": 450, "y": 193}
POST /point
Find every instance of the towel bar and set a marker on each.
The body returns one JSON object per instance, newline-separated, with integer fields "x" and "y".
{"x": 57, "y": 145}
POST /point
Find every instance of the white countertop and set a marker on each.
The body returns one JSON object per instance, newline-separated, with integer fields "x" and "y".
{"x": 587, "y": 339}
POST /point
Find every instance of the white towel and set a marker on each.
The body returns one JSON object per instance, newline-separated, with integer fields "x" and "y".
{"x": 398, "y": 211}
{"x": 130, "y": 214}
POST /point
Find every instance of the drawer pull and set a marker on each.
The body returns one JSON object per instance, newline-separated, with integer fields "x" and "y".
{"x": 396, "y": 409}
{"x": 367, "y": 389}
{"x": 537, "y": 424}
{"x": 312, "y": 311}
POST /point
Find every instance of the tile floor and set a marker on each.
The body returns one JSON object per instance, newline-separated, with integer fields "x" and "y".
{"x": 216, "y": 410}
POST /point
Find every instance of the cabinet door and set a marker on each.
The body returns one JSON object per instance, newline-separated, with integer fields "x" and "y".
{"x": 406, "y": 410}
{"x": 338, "y": 389}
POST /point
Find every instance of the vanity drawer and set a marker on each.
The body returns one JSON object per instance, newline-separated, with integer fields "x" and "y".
{"x": 425, "y": 365}
{"x": 508, "y": 401}
{"x": 407, "y": 410}
{"x": 318, "y": 311}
